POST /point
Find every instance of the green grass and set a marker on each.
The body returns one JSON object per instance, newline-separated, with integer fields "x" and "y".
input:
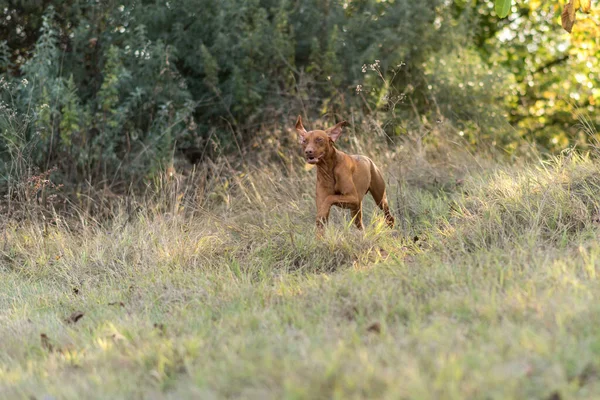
{"x": 497, "y": 299}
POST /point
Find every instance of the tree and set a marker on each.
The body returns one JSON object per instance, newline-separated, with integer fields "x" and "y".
{"x": 568, "y": 16}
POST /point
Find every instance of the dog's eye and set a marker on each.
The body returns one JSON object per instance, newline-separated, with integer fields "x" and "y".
{"x": 319, "y": 140}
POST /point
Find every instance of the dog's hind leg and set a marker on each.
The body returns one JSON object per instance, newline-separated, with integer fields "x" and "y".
{"x": 377, "y": 190}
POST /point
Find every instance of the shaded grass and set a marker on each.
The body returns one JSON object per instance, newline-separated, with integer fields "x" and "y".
{"x": 494, "y": 298}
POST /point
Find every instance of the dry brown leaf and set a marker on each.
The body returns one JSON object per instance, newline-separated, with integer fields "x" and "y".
{"x": 572, "y": 10}
{"x": 73, "y": 318}
{"x": 568, "y": 17}
{"x": 375, "y": 327}
{"x": 554, "y": 396}
{"x": 46, "y": 344}
{"x": 586, "y": 5}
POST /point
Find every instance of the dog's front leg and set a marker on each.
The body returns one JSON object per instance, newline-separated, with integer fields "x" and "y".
{"x": 323, "y": 208}
{"x": 348, "y": 201}
{"x": 345, "y": 201}
{"x": 357, "y": 217}
{"x": 322, "y": 218}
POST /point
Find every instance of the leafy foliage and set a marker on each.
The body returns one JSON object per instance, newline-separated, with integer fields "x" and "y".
{"x": 111, "y": 91}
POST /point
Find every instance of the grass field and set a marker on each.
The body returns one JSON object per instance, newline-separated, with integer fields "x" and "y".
{"x": 487, "y": 289}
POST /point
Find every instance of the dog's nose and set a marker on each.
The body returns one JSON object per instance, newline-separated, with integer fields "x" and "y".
{"x": 309, "y": 152}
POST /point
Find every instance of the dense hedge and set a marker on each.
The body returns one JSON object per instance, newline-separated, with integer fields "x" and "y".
{"x": 107, "y": 90}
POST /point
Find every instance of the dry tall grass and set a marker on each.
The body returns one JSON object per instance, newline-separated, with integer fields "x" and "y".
{"x": 213, "y": 285}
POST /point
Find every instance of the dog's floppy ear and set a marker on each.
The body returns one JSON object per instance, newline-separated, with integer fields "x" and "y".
{"x": 336, "y": 131}
{"x": 299, "y": 127}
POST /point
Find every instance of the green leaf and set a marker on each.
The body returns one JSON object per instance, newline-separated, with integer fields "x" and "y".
{"x": 503, "y": 7}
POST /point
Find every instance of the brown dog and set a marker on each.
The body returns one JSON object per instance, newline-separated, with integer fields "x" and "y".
{"x": 342, "y": 180}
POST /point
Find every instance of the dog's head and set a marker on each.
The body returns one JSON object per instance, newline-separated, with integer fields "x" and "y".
{"x": 318, "y": 144}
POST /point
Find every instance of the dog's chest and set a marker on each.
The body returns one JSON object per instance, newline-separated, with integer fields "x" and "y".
{"x": 329, "y": 185}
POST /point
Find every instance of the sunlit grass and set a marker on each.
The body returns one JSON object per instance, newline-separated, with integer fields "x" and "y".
{"x": 486, "y": 289}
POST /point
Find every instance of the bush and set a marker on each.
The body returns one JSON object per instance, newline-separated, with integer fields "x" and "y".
{"x": 112, "y": 94}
